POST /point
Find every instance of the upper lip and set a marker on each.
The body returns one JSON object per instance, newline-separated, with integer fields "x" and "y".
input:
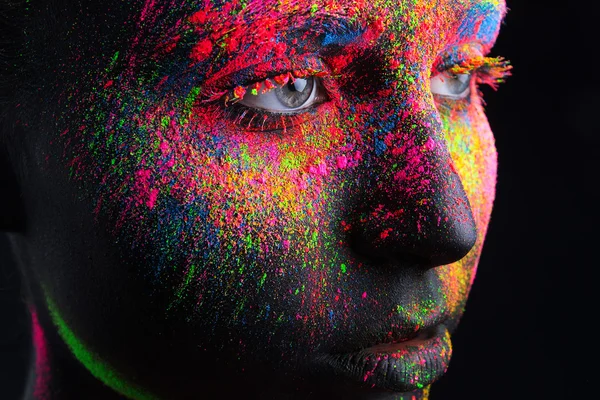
{"x": 399, "y": 339}
{"x": 395, "y": 330}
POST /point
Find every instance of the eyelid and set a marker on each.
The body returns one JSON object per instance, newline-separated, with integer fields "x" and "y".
{"x": 457, "y": 55}
{"x": 260, "y": 71}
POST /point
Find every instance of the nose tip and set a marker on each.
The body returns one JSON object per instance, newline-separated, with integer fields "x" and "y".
{"x": 426, "y": 243}
{"x": 428, "y": 231}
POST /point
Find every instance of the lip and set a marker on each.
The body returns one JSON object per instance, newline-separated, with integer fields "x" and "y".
{"x": 401, "y": 367}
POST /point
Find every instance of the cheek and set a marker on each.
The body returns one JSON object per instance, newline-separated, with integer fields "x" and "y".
{"x": 470, "y": 142}
{"x": 471, "y": 146}
{"x": 253, "y": 181}
{"x": 221, "y": 206}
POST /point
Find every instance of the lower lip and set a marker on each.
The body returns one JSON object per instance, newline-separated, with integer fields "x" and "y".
{"x": 399, "y": 367}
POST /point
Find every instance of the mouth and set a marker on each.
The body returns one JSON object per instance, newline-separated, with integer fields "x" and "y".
{"x": 400, "y": 366}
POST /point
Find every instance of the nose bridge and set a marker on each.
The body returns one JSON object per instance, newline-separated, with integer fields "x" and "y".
{"x": 417, "y": 211}
{"x": 416, "y": 162}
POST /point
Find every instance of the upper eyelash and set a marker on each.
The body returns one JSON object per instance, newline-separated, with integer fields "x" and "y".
{"x": 234, "y": 94}
{"x": 487, "y": 70}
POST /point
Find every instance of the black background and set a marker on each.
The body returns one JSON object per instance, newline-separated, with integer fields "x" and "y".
{"x": 527, "y": 332}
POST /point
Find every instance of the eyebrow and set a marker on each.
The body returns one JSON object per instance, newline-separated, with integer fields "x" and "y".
{"x": 327, "y": 32}
{"x": 336, "y": 31}
{"x": 482, "y": 22}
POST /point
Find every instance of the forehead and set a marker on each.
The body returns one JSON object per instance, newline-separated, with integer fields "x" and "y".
{"x": 477, "y": 19}
{"x": 349, "y": 7}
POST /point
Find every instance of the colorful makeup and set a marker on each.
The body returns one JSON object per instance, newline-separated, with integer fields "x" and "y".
{"x": 42, "y": 363}
{"x": 296, "y": 181}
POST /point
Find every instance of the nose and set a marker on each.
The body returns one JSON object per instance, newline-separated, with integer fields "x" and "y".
{"x": 413, "y": 209}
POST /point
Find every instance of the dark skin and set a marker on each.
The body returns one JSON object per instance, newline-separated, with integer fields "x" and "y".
{"x": 174, "y": 252}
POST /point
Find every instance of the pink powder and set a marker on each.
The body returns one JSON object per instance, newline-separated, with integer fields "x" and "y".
{"x": 342, "y": 162}
{"x": 152, "y": 198}
{"x": 42, "y": 364}
{"x": 322, "y": 169}
{"x": 145, "y": 193}
{"x": 147, "y": 7}
{"x": 164, "y": 148}
{"x": 430, "y": 144}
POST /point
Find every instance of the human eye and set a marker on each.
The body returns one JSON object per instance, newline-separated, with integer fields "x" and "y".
{"x": 277, "y": 102}
{"x": 289, "y": 96}
{"x": 453, "y": 86}
{"x": 459, "y": 73}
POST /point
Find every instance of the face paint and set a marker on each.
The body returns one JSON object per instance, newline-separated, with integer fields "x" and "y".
{"x": 42, "y": 365}
{"x": 277, "y": 181}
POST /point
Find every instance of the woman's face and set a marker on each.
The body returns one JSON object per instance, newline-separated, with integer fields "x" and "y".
{"x": 265, "y": 196}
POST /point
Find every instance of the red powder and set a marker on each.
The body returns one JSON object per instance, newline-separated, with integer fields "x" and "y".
{"x": 268, "y": 85}
{"x": 280, "y": 49}
{"x": 201, "y": 50}
{"x": 282, "y": 79}
{"x": 452, "y": 167}
{"x": 239, "y": 92}
{"x": 336, "y": 134}
{"x": 198, "y": 18}
{"x": 385, "y": 233}
{"x": 232, "y": 44}
{"x": 338, "y": 63}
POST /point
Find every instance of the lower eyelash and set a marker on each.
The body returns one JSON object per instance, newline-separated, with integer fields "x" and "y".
{"x": 264, "y": 121}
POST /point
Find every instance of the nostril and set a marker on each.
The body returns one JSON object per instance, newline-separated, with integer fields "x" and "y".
{"x": 430, "y": 246}
{"x": 364, "y": 251}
